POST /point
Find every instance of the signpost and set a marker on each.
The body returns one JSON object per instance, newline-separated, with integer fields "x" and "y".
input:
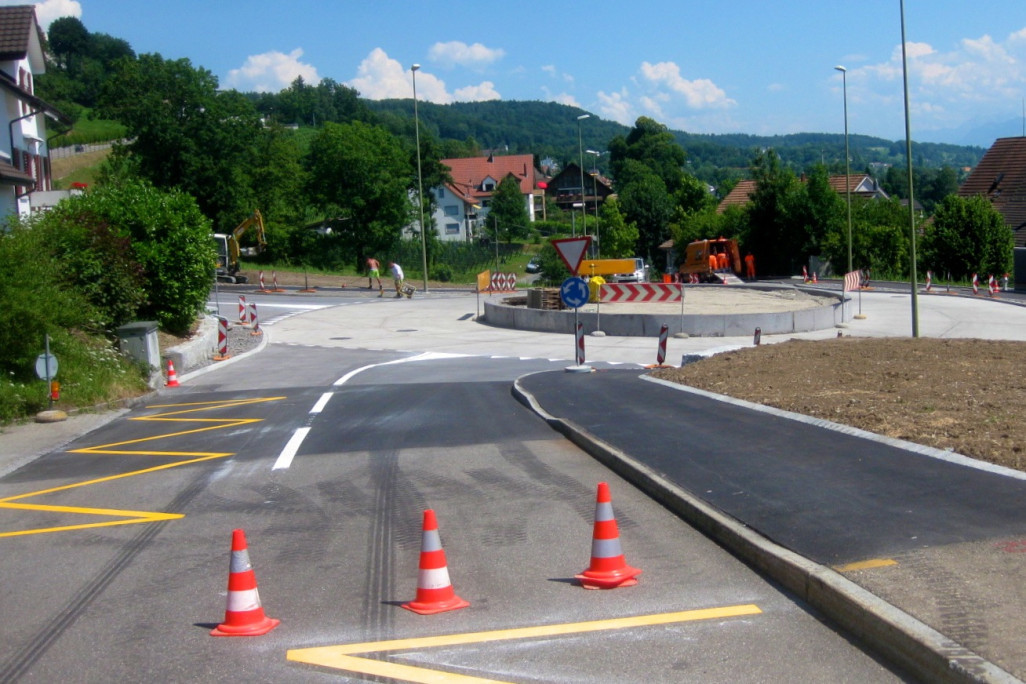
{"x": 574, "y": 291}
{"x": 46, "y": 369}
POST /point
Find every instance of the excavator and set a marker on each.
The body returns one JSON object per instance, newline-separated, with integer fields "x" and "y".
{"x": 229, "y": 249}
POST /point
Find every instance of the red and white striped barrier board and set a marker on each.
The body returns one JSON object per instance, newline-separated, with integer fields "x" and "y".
{"x": 851, "y": 281}
{"x": 640, "y": 292}
{"x": 661, "y": 354}
{"x": 976, "y": 284}
{"x": 504, "y": 282}
{"x": 929, "y": 281}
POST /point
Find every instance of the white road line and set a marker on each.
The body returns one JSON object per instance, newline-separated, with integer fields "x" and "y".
{"x": 289, "y": 452}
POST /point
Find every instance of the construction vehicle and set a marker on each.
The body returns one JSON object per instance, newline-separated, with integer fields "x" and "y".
{"x": 229, "y": 249}
{"x": 714, "y": 261}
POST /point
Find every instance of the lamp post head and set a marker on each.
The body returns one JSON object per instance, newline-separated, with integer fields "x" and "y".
{"x": 583, "y": 117}
{"x": 414, "y": 67}
{"x": 840, "y": 68}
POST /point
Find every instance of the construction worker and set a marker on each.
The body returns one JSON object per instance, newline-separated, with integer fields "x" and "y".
{"x": 397, "y": 277}
{"x": 373, "y": 271}
{"x": 750, "y": 266}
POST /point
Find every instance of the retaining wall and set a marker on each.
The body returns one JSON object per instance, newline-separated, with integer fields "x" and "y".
{"x": 616, "y": 319}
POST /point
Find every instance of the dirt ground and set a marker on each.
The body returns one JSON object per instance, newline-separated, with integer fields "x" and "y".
{"x": 968, "y": 396}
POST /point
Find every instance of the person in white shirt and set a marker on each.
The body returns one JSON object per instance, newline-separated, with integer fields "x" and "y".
{"x": 398, "y": 277}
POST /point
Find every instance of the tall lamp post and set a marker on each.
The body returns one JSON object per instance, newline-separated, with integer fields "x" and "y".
{"x": 594, "y": 186}
{"x": 908, "y": 160}
{"x": 580, "y": 149}
{"x": 420, "y": 182}
{"x": 847, "y": 159}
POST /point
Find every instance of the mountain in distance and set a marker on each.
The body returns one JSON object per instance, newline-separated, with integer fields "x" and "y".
{"x": 550, "y": 129}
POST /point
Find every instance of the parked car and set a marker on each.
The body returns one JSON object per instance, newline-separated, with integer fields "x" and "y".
{"x": 534, "y": 265}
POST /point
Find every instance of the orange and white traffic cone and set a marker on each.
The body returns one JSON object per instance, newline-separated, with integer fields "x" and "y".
{"x": 243, "y": 616}
{"x": 172, "y": 377}
{"x": 608, "y": 569}
{"x": 434, "y": 590}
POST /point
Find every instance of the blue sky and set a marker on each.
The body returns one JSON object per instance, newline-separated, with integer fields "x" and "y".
{"x": 750, "y": 66}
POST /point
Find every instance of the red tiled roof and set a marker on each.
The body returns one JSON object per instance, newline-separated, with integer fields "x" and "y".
{"x": 862, "y": 185}
{"x": 1001, "y": 177}
{"x": 468, "y": 173}
{"x": 739, "y": 196}
{"x": 16, "y": 24}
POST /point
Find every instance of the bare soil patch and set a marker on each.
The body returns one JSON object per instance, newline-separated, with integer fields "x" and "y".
{"x": 968, "y": 396}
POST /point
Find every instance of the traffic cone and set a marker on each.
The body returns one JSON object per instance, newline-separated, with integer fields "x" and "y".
{"x": 608, "y": 569}
{"x": 434, "y": 590}
{"x": 172, "y": 377}
{"x": 243, "y": 615}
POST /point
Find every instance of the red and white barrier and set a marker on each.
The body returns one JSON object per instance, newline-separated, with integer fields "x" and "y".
{"x": 580, "y": 344}
{"x": 929, "y": 280}
{"x": 661, "y": 354}
{"x": 993, "y": 286}
{"x": 503, "y": 282}
{"x": 243, "y": 310}
{"x": 222, "y": 339}
{"x": 255, "y": 319}
{"x": 640, "y": 292}
{"x": 976, "y": 284}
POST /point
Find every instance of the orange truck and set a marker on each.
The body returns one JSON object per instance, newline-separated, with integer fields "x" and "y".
{"x": 713, "y": 260}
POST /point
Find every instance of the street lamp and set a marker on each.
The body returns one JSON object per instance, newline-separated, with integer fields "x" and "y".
{"x": 594, "y": 185}
{"x": 908, "y": 161}
{"x": 420, "y": 182}
{"x": 847, "y": 158}
{"x": 580, "y": 149}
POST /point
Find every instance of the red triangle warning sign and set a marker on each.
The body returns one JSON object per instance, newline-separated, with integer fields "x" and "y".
{"x": 572, "y": 251}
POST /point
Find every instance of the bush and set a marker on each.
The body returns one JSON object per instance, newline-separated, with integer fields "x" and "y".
{"x": 442, "y": 273}
{"x": 170, "y": 240}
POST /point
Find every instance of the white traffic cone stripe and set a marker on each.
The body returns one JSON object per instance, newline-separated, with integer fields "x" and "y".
{"x": 436, "y": 578}
{"x": 606, "y": 548}
{"x": 431, "y": 541}
{"x": 240, "y": 562}
{"x": 243, "y": 601}
{"x": 604, "y": 511}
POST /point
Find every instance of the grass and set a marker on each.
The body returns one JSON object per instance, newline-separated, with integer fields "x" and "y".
{"x": 88, "y": 130}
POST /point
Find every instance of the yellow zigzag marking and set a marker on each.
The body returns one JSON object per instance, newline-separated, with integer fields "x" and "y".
{"x": 132, "y": 517}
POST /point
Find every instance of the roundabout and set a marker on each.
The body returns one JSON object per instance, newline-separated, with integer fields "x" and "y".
{"x": 706, "y": 311}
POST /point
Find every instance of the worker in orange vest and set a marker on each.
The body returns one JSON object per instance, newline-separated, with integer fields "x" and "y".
{"x": 750, "y": 266}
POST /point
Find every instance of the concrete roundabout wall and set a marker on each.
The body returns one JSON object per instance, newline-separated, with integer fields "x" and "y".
{"x": 625, "y": 320}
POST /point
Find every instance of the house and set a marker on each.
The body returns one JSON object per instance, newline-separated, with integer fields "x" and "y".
{"x": 565, "y": 189}
{"x": 1001, "y": 177}
{"x": 861, "y": 184}
{"x": 461, "y": 207}
{"x": 24, "y": 154}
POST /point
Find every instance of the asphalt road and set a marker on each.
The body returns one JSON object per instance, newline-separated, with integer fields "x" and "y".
{"x": 334, "y": 535}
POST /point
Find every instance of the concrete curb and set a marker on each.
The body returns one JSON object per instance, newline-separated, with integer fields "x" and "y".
{"x": 895, "y": 635}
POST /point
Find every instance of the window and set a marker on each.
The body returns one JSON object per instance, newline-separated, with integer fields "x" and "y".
{"x": 452, "y": 210}
{"x": 441, "y": 193}
{"x": 452, "y": 229}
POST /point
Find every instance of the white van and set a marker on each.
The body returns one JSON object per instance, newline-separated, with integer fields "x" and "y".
{"x": 640, "y": 274}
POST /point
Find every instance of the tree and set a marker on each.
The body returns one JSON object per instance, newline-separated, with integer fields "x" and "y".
{"x": 360, "y": 174}
{"x": 68, "y": 40}
{"x": 968, "y": 235}
{"x": 655, "y": 147}
{"x": 778, "y": 247}
{"x": 509, "y": 211}
{"x": 617, "y": 237}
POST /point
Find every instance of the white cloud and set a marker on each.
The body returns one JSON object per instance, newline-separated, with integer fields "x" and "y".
{"x": 457, "y": 53}
{"x": 698, "y": 94}
{"x": 479, "y": 93}
{"x": 49, "y": 10}
{"x": 617, "y": 107}
{"x": 270, "y": 72}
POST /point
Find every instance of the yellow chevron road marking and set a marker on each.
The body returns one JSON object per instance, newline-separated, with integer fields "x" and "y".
{"x": 125, "y": 517}
{"x": 343, "y": 657}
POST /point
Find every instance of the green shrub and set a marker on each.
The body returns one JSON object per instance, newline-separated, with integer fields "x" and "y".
{"x": 443, "y": 273}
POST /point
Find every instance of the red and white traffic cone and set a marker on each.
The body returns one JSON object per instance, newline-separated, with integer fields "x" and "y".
{"x": 172, "y": 377}
{"x": 434, "y": 590}
{"x": 815, "y": 279}
{"x": 608, "y": 569}
{"x": 243, "y": 614}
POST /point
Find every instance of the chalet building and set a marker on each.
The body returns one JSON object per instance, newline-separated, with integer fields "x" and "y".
{"x": 25, "y": 177}
{"x": 565, "y": 189}
{"x": 1001, "y": 178}
{"x": 461, "y": 208}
